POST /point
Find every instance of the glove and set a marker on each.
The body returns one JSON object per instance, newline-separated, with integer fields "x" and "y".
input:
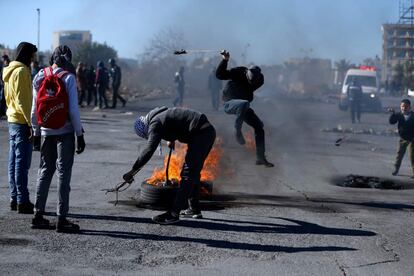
{"x": 128, "y": 177}
{"x": 225, "y": 54}
{"x": 36, "y": 143}
{"x": 80, "y": 144}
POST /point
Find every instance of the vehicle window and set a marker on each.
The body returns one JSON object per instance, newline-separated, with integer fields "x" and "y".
{"x": 362, "y": 80}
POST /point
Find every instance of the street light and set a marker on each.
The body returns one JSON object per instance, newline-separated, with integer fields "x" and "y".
{"x": 38, "y": 29}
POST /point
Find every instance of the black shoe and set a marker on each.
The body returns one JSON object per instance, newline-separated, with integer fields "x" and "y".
{"x": 124, "y": 103}
{"x": 39, "y": 222}
{"x": 65, "y": 226}
{"x": 25, "y": 208}
{"x": 264, "y": 162}
{"x": 166, "y": 218}
{"x": 395, "y": 172}
{"x": 190, "y": 213}
{"x": 239, "y": 137}
{"x": 13, "y": 205}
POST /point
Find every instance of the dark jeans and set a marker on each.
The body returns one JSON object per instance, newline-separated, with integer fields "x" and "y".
{"x": 20, "y": 157}
{"x": 241, "y": 108}
{"x": 92, "y": 94}
{"x": 355, "y": 109}
{"x": 178, "y": 101}
{"x": 3, "y": 106}
{"x": 82, "y": 96}
{"x": 101, "y": 96}
{"x": 57, "y": 153}
{"x": 197, "y": 152}
{"x": 115, "y": 96}
{"x": 215, "y": 99}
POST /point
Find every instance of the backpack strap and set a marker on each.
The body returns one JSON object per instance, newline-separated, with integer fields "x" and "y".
{"x": 48, "y": 71}
{"x": 61, "y": 74}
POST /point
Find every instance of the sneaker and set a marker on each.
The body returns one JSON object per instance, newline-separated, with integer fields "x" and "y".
{"x": 39, "y": 222}
{"x": 25, "y": 208}
{"x": 65, "y": 226}
{"x": 264, "y": 162}
{"x": 190, "y": 213}
{"x": 13, "y": 205}
{"x": 239, "y": 137}
{"x": 166, "y": 218}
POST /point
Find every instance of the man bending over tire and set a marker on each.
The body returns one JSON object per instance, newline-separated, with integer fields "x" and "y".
{"x": 189, "y": 127}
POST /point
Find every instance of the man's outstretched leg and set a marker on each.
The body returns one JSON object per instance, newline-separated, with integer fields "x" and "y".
{"x": 252, "y": 120}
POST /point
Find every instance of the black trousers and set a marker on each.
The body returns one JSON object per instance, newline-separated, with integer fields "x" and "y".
{"x": 115, "y": 96}
{"x": 197, "y": 152}
{"x": 355, "y": 109}
{"x": 253, "y": 120}
{"x": 101, "y": 96}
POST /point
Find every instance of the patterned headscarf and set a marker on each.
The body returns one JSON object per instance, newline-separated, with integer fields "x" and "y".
{"x": 141, "y": 126}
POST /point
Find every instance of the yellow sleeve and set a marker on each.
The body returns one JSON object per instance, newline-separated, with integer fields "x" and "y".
{"x": 24, "y": 98}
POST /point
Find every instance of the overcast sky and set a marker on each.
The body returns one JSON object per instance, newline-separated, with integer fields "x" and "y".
{"x": 275, "y": 30}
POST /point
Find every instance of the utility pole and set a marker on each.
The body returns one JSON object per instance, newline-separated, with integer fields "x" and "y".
{"x": 38, "y": 29}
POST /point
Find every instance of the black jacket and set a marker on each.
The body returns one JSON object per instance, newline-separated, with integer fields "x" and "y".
{"x": 238, "y": 87}
{"x": 169, "y": 124}
{"x": 405, "y": 128}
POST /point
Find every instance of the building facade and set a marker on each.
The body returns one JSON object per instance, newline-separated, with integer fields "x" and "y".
{"x": 398, "y": 47}
{"x": 73, "y": 39}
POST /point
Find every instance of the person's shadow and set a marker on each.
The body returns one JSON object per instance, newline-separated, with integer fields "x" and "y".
{"x": 294, "y": 227}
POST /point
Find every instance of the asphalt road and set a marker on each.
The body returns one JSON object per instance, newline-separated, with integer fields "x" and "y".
{"x": 288, "y": 220}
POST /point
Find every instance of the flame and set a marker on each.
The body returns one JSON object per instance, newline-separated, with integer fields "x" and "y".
{"x": 250, "y": 141}
{"x": 209, "y": 172}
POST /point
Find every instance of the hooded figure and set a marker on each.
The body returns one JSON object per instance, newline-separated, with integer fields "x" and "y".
{"x": 18, "y": 95}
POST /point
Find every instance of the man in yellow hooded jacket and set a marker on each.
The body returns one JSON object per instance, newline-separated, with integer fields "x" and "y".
{"x": 18, "y": 95}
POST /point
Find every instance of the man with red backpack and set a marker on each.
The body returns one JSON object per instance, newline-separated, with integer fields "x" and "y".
{"x": 56, "y": 118}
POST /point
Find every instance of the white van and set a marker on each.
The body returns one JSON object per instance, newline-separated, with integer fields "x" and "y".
{"x": 370, "y": 89}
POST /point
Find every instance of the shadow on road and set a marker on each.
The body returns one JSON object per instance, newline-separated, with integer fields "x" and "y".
{"x": 301, "y": 227}
{"x": 216, "y": 243}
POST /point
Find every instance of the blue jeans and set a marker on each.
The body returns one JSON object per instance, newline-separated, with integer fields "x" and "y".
{"x": 239, "y": 108}
{"x": 20, "y": 157}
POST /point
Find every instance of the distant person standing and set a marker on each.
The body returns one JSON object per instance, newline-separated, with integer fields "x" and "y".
{"x": 405, "y": 120}
{"x": 81, "y": 82}
{"x": 34, "y": 68}
{"x": 18, "y": 93}
{"x": 214, "y": 85}
{"x": 102, "y": 83}
{"x": 179, "y": 87}
{"x": 354, "y": 99}
{"x": 116, "y": 76}
{"x": 3, "y": 106}
{"x": 90, "y": 80}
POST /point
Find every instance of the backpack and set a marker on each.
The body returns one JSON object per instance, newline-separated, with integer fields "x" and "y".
{"x": 52, "y": 102}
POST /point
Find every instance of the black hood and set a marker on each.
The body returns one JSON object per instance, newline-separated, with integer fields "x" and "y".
{"x": 24, "y": 53}
{"x": 62, "y": 57}
{"x": 254, "y": 76}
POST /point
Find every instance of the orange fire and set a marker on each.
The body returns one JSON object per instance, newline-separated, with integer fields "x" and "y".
{"x": 250, "y": 142}
{"x": 209, "y": 173}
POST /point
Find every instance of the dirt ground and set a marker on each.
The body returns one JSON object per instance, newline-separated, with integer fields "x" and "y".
{"x": 288, "y": 220}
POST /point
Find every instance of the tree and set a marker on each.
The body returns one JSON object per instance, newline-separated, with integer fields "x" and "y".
{"x": 91, "y": 53}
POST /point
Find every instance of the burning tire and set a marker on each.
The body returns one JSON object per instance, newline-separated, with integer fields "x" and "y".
{"x": 164, "y": 195}
{"x": 158, "y": 195}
